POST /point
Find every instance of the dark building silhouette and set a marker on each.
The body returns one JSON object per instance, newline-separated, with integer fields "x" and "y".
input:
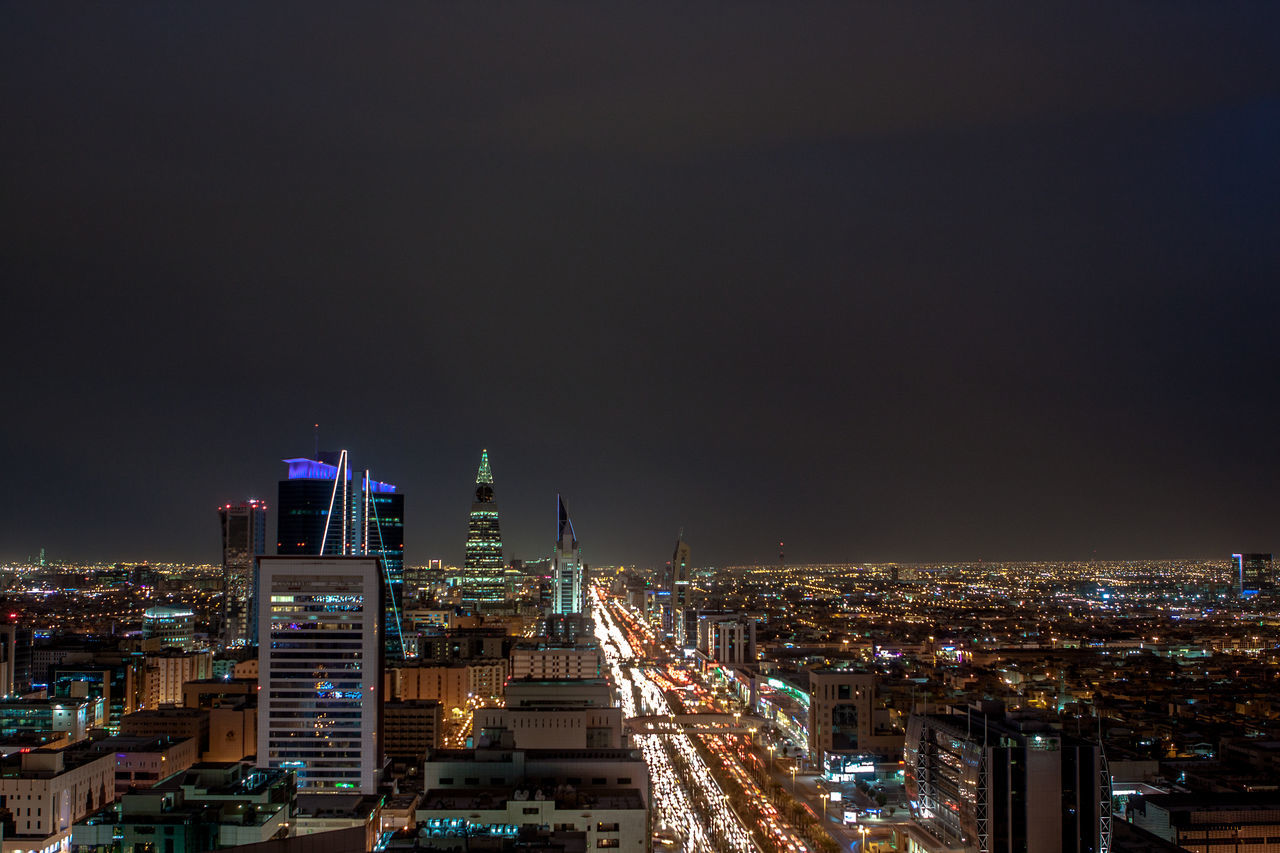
{"x": 1252, "y": 574}
{"x": 244, "y": 539}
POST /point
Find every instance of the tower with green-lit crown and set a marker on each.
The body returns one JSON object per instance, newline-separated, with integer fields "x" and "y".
{"x": 483, "y": 580}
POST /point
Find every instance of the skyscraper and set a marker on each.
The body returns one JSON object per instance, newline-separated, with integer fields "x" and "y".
{"x": 566, "y": 567}
{"x": 320, "y": 665}
{"x": 324, "y": 510}
{"x": 483, "y": 579}
{"x": 1251, "y": 574}
{"x": 244, "y": 539}
{"x": 679, "y": 591}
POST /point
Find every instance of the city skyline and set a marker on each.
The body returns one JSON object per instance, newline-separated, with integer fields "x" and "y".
{"x": 1012, "y": 301}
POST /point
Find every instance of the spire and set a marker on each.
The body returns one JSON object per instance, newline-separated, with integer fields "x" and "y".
{"x": 565, "y": 522}
{"x": 484, "y": 475}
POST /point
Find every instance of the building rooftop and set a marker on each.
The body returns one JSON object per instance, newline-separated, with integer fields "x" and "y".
{"x": 496, "y": 798}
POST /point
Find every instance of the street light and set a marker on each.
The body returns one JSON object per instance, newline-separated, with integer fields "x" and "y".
{"x": 862, "y": 839}
{"x": 772, "y": 747}
{"x": 793, "y": 778}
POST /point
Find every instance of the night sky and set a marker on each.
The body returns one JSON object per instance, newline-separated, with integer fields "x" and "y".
{"x": 895, "y": 281}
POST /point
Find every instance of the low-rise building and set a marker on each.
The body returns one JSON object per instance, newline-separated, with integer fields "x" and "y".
{"x": 46, "y": 790}
{"x": 555, "y": 660}
{"x": 143, "y": 760}
{"x": 49, "y": 717}
{"x": 205, "y": 807}
{"x": 1211, "y": 823}
{"x": 177, "y": 723}
{"x": 410, "y": 728}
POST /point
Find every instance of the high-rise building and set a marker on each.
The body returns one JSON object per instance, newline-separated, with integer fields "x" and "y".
{"x": 566, "y": 567}
{"x": 172, "y": 626}
{"x": 979, "y": 781}
{"x": 678, "y": 587}
{"x": 320, "y": 665}
{"x": 483, "y": 577}
{"x": 1251, "y": 574}
{"x": 728, "y": 638}
{"x": 324, "y": 510}
{"x": 244, "y": 539}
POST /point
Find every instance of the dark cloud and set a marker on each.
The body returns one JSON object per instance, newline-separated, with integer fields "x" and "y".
{"x": 888, "y": 280}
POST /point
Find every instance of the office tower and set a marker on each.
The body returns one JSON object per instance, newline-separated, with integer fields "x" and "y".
{"x": 173, "y": 626}
{"x": 383, "y": 511}
{"x": 316, "y": 510}
{"x": 320, "y": 665}
{"x": 850, "y": 723}
{"x": 326, "y": 510}
{"x": 483, "y": 578}
{"x": 1251, "y": 574}
{"x": 727, "y": 638}
{"x": 566, "y": 567}
{"x": 979, "y": 781}
{"x": 244, "y": 539}
{"x": 678, "y": 587}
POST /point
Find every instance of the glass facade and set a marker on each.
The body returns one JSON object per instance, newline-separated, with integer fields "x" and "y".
{"x": 323, "y": 510}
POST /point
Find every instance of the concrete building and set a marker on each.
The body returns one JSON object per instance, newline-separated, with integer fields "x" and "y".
{"x": 320, "y": 659}
{"x": 164, "y": 674}
{"x": 49, "y": 718}
{"x": 116, "y": 677}
{"x": 172, "y": 626}
{"x": 207, "y": 807}
{"x": 548, "y": 727}
{"x": 451, "y": 685}
{"x": 729, "y": 638}
{"x": 176, "y": 723}
{"x": 555, "y": 660}
{"x": 602, "y": 793}
{"x": 212, "y": 692}
{"x": 558, "y": 693}
{"x": 48, "y": 790}
{"x": 981, "y": 781}
{"x": 1212, "y": 823}
{"x": 411, "y": 728}
{"x": 850, "y": 726}
{"x": 466, "y": 644}
{"x": 142, "y": 761}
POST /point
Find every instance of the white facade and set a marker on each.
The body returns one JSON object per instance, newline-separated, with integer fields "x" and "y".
{"x": 555, "y": 662}
{"x": 727, "y": 639}
{"x": 165, "y": 674}
{"x": 320, "y": 665}
{"x": 46, "y": 793}
{"x": 548, "y": 728}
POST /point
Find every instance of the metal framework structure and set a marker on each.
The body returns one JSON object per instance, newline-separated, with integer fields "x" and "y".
{"x": 1104, "y": 803}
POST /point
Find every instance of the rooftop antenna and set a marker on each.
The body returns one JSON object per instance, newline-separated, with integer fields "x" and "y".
{"x": 316, "y": 432}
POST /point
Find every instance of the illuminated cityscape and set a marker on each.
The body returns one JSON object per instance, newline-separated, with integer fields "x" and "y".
{"x": 905, "y": 366}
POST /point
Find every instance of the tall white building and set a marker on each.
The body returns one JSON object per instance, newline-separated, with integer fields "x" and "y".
{"x": 320, "y": 665}
{"x": 566, "y": 568}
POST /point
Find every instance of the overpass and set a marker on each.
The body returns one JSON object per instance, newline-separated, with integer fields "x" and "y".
{"x": 700, "y": 724}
